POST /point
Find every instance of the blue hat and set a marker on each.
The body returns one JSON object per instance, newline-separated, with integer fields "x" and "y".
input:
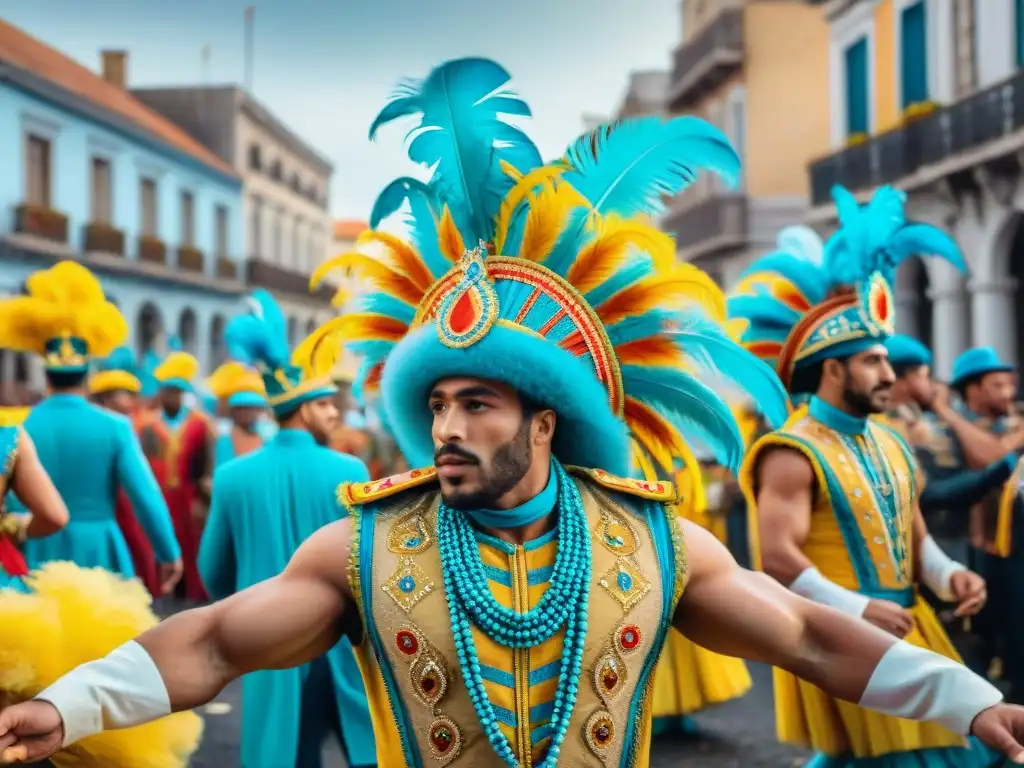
{"x": 65, "y": 318}
{"x": 247, "y": 400}
{"x": 908, "y": 351}
{"x": 803, "y": 304}
{"x": 548, "y": 278}
{"x": 150, "y": 362}
{"x": 259, "y": 338}
{"x": 116, "y": 372}
{"x": 978, "y": 361}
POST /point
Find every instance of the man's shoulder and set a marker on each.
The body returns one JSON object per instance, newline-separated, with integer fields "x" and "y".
{"x": 661, "y": 491}
{"x": 360, "y": 494}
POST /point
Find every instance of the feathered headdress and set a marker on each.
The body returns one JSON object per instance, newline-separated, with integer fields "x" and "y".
{"x": 804, "y": 303}
{"x": 65, "y": 318}
{"x": 116, "y": 372}
{"x": 238, "y": 384}
{"x": 259, "y": 339}
{"x": 177, "y": 371}
{"x": 550, "y": 278}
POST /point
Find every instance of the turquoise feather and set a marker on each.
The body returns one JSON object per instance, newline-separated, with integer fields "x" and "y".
{"x": 711, "y": 349}
{"x": 121, "y": 359}
{"x": 386, "y": 304}
{"x": 690, "y": 405}
{"x": 462, "y": 137}
{"x": 637, "y": 269}
{"x": 260, "y": 337}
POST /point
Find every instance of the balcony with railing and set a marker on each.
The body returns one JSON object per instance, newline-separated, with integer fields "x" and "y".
{"x": 983, "y": 127}
{"x": 704, "y": 62}
{"x": 718, "y": 223}
{"x": 276, "y": 279}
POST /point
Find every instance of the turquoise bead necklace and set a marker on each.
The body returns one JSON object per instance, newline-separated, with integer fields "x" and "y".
{"x": 564, "y": 604}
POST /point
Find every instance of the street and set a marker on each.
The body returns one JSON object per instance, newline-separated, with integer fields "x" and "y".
{"x": 740, "y": 733}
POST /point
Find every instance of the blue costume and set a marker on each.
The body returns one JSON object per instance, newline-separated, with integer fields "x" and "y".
{"x": 265, "y": 504}
{"x": 236, "y": 386}
{"x": 59, "y": 615}
{"x": 88, "y": 452}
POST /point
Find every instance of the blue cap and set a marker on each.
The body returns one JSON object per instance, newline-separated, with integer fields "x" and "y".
{"x": 66, "y": 354}
{"x": 977, "y": 362}
{"x": 906, "y": 350}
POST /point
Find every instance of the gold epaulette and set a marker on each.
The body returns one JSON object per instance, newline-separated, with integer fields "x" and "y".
{"x": 355, "y": 494}
{"x": 657, "y": 490}
{"x": 13, "y": 416}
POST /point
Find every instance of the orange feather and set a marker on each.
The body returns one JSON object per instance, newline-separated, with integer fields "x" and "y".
{"x": 372, "y": 381}
{"x": 548, "y": 213}
{"x": 524, "y": 186}
{"x": 616, "y": 237}
{"x": 404, "y": 257}
{"x": 374, "y": 271}
{"x": 659, "y": 438}
{"x": 684, "y": 284}
{"x": 449, "y": 238}
{"x": 792, "y": 298}
{"x": 656, "y": 352}
{"x": 765, "y": 348}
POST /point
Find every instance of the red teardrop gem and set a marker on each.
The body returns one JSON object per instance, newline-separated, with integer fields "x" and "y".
{"x": 462, "y": 315}
{"x": 428, "y": 684}
{"x": 442, "y": 738}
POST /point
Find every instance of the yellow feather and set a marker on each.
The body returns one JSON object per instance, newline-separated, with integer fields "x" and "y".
{"x": 524, "y": 188}
{"x": 615, "y": 238}
{"x": 403, "y": 256}
{"x": 373, "y": 271}
{"x": 341, "y": 297}
{"x": 320, "y": 352}
{"x": 548, "y": 212}
{"x": 449, "y": 238}
{"x": 684, "y": 284}
{"x": 177, "y": 365}
{"x": 510, "y": 170}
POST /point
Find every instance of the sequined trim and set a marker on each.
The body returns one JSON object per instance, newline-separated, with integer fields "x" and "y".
{"x": 599, "y": 733}
{"x": 679, "y": 548}
{"x": 653, "y": 491}
{"x": 365, "y": 493}
{"x": 354, "y": 580}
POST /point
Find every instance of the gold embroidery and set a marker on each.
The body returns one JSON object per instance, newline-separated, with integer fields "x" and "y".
{"x": 679, "y": 548}
{"x": 625, "y": 582}
{"x": 410, "y": 535}
{"x": 658, "y": 490}
{"x": 367, "y": 493}
{"x": 614, "y": 532}
{"x": 599, "y": 733}
{"x": 609, "y": 677}
{"x": 408, "y": 584}
{"x": 445, "y": 740}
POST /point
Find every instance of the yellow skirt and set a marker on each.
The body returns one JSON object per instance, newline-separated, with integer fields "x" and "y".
{"x": 70, "y": 616}
{"x": 806, "y": 716}
{"x": 690, "y": 678}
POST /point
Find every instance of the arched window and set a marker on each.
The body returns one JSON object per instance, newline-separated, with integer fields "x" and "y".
{"x": 218, "y": 352}
{"x": 151, "y": 328}
{"x": 188, "y": 331}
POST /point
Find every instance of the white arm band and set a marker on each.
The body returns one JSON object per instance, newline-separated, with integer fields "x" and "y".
{"x": 122, "y": 690}
{"x": 937, "y": 568}
{"x": 916, "y": 684}
{"x": 812, "y": 585}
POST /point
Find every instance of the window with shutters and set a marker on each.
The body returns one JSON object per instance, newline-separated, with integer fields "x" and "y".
{"x": 147, "y": 194}
{"x": 39, "y": 183}
{"x": 101, "y": 192}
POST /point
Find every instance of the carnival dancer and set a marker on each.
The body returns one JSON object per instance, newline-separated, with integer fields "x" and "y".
{"x": 89, "y": 452}
{"x": 115, "y": 385}
{"x": 836, "y": 489}
{"x": 265, "y": 505}
{"x": 238, "y": 390}
{"x": 44, "y": 615}
{"x": 177, "y": 441}
{"x": 510, "y": 601}
{"x": 987, "y": 387}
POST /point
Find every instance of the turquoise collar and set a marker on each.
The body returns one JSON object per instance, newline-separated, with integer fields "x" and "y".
{"x": 294, "y": 437}
{"x": 833, "y": 418}
{"x": 529, "y": 512}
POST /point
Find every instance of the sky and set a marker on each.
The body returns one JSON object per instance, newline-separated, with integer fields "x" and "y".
{"x": 325, "y": 67}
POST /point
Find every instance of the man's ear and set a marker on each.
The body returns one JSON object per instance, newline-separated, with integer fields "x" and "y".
{"x": 833, "y": 369}
{"x": 544, "y": 427}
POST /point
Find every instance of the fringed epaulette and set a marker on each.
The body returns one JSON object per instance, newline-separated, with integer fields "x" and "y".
{"x": 13, "y": 416}
{"x": 658, "y": 490}
{"x": 356, "y": 494}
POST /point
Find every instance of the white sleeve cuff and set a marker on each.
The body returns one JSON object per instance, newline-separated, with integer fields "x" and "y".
{"x": 937, "y": 569}
{"x": 122, "y": 690}
{"x": 812, "y": 585}
{"x": 916, "y": 684}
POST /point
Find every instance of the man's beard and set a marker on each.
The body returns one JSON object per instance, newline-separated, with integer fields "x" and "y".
{"x": 509, "y": 466}
{"x": 861, "y": 404}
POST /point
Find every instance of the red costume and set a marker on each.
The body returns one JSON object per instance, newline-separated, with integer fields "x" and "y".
{"x": 178, "y": 450}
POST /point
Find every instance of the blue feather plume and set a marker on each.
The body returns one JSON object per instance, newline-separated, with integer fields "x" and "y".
{"x": 260, "y": 337}
{"x": 691, "y": 406}
{"x": 121, "y": 359}
{"x": 463, "y": 137}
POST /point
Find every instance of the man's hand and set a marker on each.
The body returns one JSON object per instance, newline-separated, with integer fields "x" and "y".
{"x": 969, "y": 590}
{"x": 30, "y": 732}
{"x": 940, "y": 398}
{"x": 1000, "y": 727}
{"x": 170, "y": 575}
{"x": 889, "y": 616}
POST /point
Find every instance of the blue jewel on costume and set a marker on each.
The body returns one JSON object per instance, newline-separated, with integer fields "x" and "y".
{"x": 407, "y": 584}
{"x": 625, "y": 581}
{"x": 413, "y": 541}
{"x": 615, "y": 541}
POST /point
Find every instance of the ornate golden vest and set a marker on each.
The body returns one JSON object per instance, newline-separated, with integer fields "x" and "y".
{"x": 419, "y": 703}
{"x": 860, "y": 534}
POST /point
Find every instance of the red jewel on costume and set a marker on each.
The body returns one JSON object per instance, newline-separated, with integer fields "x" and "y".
{"x": 407, "y": 642}
{"x": 629, "y": 637}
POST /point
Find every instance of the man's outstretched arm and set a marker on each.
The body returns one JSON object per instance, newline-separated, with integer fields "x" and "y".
{"x": 740, "y": 613}
{"x": 188, "y": 659}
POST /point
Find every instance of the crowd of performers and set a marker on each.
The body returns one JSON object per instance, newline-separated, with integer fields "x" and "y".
{"x": 588, "y": 423}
